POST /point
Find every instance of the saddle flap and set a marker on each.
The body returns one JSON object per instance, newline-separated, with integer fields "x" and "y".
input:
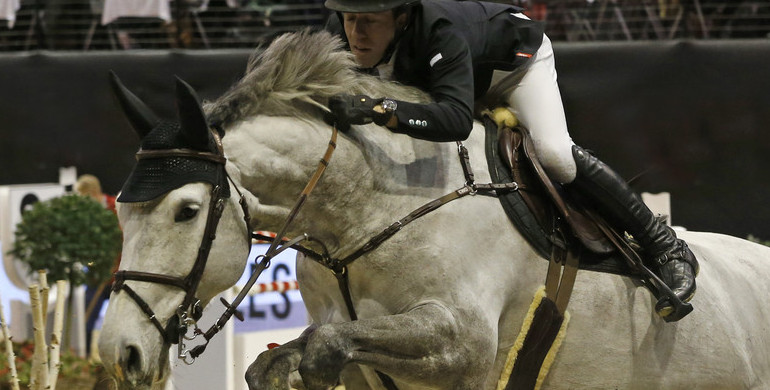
{"x": 518, "y": 152}
{"x": 512, "y": 153}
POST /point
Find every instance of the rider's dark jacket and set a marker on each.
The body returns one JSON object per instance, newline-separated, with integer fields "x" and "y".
{"x": 450, "y": 49}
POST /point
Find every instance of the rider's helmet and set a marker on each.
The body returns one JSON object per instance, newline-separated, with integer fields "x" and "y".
{"x": 357, "y": 6}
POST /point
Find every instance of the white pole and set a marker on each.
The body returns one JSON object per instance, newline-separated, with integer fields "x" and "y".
{"x": 44, "y": 290}
{"x": 9, "y": 348}
{"x": 39, "y": 377}
{"x": 58, "y": 324}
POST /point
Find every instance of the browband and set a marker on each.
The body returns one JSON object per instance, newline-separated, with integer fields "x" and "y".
{"x": 144, "y": 154}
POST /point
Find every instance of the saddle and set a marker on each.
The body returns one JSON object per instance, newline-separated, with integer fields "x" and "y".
{"x": 548, "y": 216}
{"x": 563, "y": 228}
{"x": 571, "y": 235}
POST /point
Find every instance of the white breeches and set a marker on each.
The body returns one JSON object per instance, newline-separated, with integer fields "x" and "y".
{"x": 536, "y": 102}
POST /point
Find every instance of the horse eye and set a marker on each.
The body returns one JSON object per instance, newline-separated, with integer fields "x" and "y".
{"x": 186, "y": 213}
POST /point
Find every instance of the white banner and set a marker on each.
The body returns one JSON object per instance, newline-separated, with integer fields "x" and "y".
{"x": 14, "y": 200}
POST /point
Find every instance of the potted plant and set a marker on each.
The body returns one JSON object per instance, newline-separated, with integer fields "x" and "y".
{"x": 73, "y": 238}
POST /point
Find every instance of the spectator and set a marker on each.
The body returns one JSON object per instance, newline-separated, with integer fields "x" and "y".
{"x": 89, "y": 185}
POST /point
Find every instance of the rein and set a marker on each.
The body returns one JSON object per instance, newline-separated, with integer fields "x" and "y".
{"x": 339, "y": 266}
{"x": 272, "y": 251}
{"x": 190, "y": 310}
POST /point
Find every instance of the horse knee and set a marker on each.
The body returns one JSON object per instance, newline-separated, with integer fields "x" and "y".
{"x": 326, "y": 353}
{"x": 463, "y": 348}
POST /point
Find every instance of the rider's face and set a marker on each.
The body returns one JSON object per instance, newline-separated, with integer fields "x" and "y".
{"x": 369, "y": 34}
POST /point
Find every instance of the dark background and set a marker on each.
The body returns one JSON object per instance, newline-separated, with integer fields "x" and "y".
{"x": 693, "y": 116}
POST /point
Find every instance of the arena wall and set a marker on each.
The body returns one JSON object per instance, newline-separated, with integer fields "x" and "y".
{"x": 688, "y": 117}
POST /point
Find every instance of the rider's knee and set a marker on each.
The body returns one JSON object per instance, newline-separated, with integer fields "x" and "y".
{"x": 557, "y": 161}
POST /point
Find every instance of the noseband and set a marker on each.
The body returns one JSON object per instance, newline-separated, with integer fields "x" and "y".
{"x": 190, "y": 310}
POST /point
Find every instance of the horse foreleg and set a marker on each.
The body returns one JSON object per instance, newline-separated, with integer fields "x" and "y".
{"x": 429, "y": 346}
{"x": 273, "y": 368}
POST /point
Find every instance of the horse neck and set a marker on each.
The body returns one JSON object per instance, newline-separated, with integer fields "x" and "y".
{"x": 373, "y": 177}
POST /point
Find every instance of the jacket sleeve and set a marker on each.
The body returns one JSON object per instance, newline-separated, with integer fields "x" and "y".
{"x": 450, "y": 84}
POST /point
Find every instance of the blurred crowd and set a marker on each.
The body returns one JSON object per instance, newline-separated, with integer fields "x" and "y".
{"x": 207, "y": 24}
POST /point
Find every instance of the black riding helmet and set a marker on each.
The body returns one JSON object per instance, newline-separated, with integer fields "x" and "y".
{"x": 357, "y": 6}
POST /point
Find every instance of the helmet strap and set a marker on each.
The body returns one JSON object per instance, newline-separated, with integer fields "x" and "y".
{"x": 393, "y": 44}
{"x": 396, "y": 38}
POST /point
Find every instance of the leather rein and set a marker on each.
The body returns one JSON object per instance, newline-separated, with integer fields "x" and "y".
{"x": 190, "y": 310}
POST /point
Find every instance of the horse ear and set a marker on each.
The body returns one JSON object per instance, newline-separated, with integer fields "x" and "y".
{"x": 191, "y": 117}
{"x": 142, "y": 119}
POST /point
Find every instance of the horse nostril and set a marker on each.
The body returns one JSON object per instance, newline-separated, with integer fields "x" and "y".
{"x": 132, "y": 361}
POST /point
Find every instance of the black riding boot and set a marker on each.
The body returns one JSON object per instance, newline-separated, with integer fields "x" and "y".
{"x": 667, "y": 256}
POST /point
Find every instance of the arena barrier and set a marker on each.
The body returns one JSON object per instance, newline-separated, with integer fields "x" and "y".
{"x": 261, "y": 288}
{"x": 691, "y": 114}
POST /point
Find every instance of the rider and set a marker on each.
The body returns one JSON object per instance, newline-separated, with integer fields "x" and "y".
{"x": 455, "y": 51}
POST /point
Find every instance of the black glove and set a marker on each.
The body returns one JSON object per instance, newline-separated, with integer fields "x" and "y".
{"x": 349, "y": 110}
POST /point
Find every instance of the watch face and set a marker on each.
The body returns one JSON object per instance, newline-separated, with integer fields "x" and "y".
{"x": 389, "y": 105}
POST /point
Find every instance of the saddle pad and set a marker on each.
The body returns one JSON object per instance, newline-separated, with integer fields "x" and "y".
{"x": 525, "y": 221}
{"x": 535, "y": 349}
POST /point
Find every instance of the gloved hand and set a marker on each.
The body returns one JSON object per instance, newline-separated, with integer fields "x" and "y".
{"x": 349, "y": 110}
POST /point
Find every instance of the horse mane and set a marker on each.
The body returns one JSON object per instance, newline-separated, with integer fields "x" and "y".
{"x": 296, "y": 67}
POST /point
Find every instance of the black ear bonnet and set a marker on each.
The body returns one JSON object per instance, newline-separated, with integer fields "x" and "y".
{"x": 156, "y": 176}
{"x": 153, "y": 177}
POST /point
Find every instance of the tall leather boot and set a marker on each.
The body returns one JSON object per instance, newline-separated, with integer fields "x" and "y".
{"x": 667, "y": 256}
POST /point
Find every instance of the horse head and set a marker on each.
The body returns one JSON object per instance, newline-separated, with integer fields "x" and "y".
{"x": 177, "y": 196}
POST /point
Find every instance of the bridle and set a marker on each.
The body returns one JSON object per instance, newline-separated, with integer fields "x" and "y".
{"x": 190, "y": 310}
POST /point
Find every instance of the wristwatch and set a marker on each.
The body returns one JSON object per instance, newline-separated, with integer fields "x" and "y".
{"x": 386, "y": 110}
{"x": 389, "y": 105}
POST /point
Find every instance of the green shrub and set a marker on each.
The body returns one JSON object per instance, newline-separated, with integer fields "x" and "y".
{"x": 73, "y": 237}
